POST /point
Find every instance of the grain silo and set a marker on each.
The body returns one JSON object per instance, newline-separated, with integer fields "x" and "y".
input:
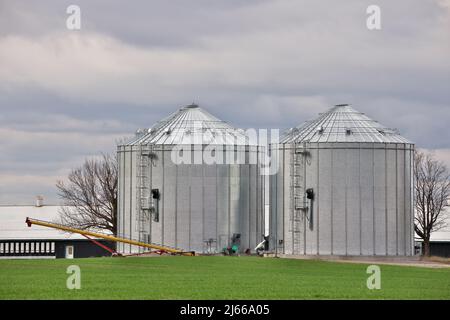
{"x": 192, "y": 182}
{"x": 344, "y": 187}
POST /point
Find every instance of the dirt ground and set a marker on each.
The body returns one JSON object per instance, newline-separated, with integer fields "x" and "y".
{"x": 431, "y": 262}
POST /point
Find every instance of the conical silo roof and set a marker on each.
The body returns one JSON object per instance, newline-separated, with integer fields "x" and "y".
{"x": 191, "y": 125}
{"x": 342, "y": 123}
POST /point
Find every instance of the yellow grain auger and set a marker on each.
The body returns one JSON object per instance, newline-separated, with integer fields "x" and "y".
{"x": 88, "y": 234}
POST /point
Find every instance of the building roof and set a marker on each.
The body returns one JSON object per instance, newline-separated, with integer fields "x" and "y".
{"x": 342, "y": 123}
{"x": 190, "y": 125}
{"x": 441, "y": 235}
{"x": 13, "y": 226}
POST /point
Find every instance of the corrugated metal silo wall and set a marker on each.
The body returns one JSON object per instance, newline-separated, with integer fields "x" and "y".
{"x": 198, "y": 201}
{"x": 126, "y": 201}
{"x": 363, "y": 200}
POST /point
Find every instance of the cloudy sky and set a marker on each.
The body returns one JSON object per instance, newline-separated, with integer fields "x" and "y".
{"x": 70, "y": 94}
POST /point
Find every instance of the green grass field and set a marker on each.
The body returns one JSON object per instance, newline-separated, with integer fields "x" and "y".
{"x": 173, "y": 277}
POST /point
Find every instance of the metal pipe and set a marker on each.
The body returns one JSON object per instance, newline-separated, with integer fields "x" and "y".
{"x": 113, "y": 252}
{"x": 30, "y": 221}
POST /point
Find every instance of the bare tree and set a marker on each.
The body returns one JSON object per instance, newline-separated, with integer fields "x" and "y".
{"x": 432, "y": 194}
{"x": 90, "y": 195}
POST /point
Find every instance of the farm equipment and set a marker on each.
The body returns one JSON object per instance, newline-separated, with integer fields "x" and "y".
{"x": 159, "y": 249}
{"x": 230, "y": 251}
{"x": 263, "y": 246}
{"x": 233, "y": 249}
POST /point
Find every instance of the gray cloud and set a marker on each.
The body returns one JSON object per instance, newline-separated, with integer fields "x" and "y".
{"x": 66, "y": 95}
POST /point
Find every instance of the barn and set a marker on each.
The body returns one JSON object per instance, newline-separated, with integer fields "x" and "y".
{"x": 18, "y": 241}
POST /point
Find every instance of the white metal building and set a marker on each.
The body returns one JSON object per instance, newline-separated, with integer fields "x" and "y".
{"x": 345, "y": 187}
{"x": 17, "y": 240}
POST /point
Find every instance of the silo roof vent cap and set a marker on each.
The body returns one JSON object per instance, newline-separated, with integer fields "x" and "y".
{"x": 139, "y": 132}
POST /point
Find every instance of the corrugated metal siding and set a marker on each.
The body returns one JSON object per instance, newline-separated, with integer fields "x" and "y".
{"x": 183, "y": 223}
{"x": 210, "y": 203}
{"x": 338, "y": 205}
{"x": 168, "y": 213}
{"x": 324, "y": 221}
{"x": 391, "y": 200}
{"x": 120, "y": 197}
{"x": 379, "y": 201}
{"x": 196, "y": 209}
{"x": 365, "y": 195}
{"x": 352, "y": 191}
{"x": 223, "y": 204}
{"x": 362, "y": 200}
{"x": 312, "y": 179}
{"x": 198, "y": 203}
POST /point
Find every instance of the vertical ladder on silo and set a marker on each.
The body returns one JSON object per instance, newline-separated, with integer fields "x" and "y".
{"x": 143, "y": 192}
{"x": 298, "y": 205}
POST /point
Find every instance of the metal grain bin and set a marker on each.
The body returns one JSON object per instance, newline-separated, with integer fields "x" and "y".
{"x": 344, "y": 187}
{"x": 169, "y": 194}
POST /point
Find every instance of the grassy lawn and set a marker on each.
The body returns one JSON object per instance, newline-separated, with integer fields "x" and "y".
{"x": 215, "y": 278}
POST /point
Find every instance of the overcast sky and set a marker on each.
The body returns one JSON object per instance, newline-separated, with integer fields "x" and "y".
{"x": 66, "y": 95}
